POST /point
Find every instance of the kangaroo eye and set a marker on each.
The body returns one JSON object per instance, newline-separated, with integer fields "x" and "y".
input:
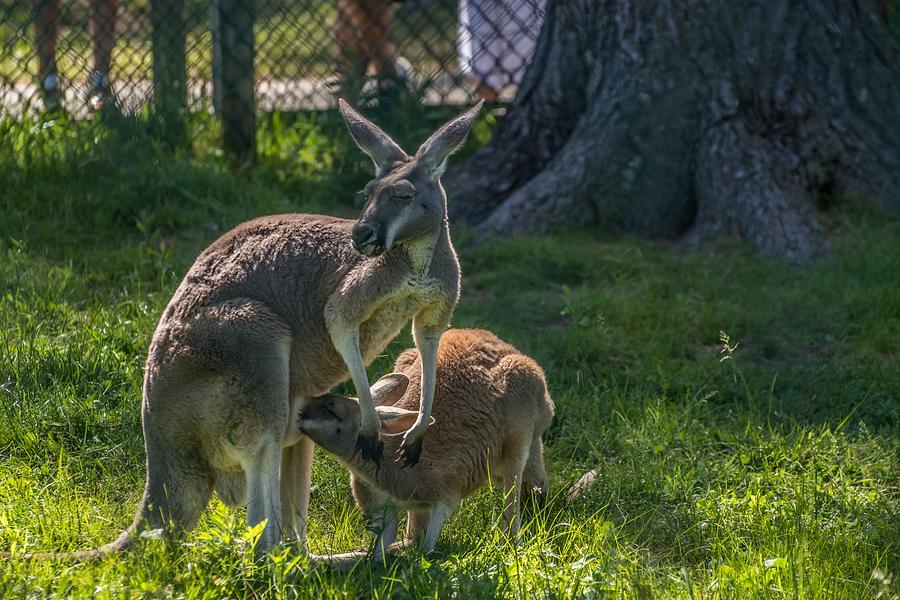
{"x": 404, "y": 196}
{"x": 332, "y": 414}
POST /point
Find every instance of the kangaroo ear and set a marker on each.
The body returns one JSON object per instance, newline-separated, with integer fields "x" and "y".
{"x": 383, "y": 151}
{"x": 390, "y": 388}
{"x": 395, "y": 420}
{"x": 445, "y": 141}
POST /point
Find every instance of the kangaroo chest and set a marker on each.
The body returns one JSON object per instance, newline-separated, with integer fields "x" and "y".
{"x": 394, "y": 311}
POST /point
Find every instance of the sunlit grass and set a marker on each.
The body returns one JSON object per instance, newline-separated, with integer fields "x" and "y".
{"x": 742, "y": 416}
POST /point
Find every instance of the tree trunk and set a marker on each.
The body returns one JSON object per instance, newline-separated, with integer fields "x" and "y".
{"x": 694, "y": 119}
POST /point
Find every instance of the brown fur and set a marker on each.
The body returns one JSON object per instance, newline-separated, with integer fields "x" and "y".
{"x": 491, "y": 408}
{"x": 267, "y": 317}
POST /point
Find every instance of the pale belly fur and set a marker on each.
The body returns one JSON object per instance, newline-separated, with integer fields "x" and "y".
{"x": 385, "y": 324}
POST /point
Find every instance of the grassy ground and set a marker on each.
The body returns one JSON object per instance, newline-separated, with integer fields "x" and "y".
{"x": 743, "y": 417}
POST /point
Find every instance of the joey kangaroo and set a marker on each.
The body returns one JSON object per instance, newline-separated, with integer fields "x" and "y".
{"x": 280, "y": 310}
{"x": 491, "y": 408}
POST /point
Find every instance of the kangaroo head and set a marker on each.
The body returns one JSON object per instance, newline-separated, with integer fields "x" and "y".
{"x": 332, "y": 421}
{"x": 405, "y": 200}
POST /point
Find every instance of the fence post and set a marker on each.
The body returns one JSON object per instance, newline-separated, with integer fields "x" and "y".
{"x": 215, "y": 30}
{"x": 233, "y": 89}
{"x": 169, "y": 76}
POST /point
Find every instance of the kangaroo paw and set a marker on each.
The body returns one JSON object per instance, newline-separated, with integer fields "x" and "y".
{"x": 370, "y": 446}
{"x": 409, "y": 451}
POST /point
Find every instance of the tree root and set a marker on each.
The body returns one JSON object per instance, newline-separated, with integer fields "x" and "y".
{"x": 748, "y": 188}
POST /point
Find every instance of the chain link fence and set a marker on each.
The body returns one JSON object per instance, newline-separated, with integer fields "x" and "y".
{"x": 237, "y": 57}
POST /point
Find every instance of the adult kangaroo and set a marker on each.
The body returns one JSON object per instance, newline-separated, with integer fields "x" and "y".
{"x": 280, "y": 310}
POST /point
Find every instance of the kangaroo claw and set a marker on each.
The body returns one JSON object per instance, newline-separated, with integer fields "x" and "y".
{"x": 409, "y": 452}
{"x": 370, "y": 446}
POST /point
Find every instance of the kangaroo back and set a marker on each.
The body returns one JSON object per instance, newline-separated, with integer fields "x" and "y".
{"x": 526, "y": 390}
{"x": 530, "y": 407}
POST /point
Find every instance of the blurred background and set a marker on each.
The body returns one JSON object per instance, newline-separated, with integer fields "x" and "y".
{"x": 236, "y": 58}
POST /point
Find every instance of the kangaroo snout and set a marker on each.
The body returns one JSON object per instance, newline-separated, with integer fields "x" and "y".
{"x": 366, "y": 240}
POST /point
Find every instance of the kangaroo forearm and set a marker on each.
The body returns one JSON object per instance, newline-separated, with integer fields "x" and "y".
{"x": 346, "y": 342}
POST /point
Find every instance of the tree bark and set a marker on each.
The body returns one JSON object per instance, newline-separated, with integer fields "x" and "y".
{"x": 696, "y": 120}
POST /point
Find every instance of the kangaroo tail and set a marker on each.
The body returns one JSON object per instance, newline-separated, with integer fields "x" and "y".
{"x": 121, "y": 543}
{"x": 158, "y": 510}
{"x": 143, "y": 518}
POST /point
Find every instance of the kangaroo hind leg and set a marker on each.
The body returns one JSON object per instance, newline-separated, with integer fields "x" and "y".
{"x": 534, "y": 479}
{"x": 232, "y": 488}
{"x": 263, "y": 493}
{"x": 179, "y": 486}
{"x": 515, "y": 459}
{"x": 296, "y": 480}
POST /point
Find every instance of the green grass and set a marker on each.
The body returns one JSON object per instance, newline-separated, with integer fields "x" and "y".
{"x": 743, "y": 417}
